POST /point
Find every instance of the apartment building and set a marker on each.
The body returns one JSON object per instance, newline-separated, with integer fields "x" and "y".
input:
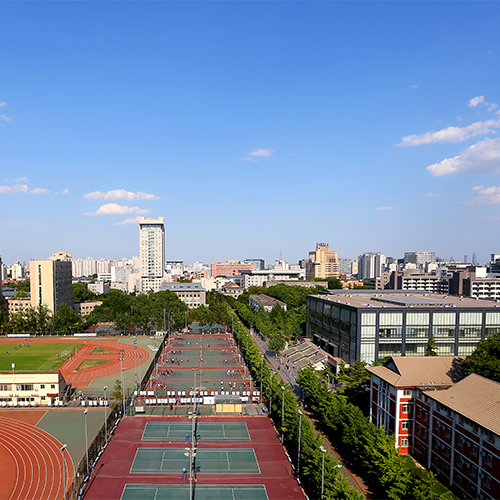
{"x": 152, "y": 252}
{"x": 229, "y": 268}
{"x": 192, "y": 294}
{"x": 448, "y": 423}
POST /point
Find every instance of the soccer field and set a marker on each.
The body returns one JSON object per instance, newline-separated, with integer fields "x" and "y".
{"x": 37, "y": 357}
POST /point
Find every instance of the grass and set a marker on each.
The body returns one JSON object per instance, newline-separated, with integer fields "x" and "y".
{"x": 101, "y": 350}
{"x": 36, "y": 357}
{"x": 92, "y": 363}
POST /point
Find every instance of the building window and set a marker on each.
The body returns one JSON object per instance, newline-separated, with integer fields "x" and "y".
{"x": 42, "y": 386}
{"x": 52, "y": 386}
{"x": 405, "y": 408}
{"x": 5, "y": 387}
{"x": 407, "y": 392}
{"x": 25, "y": 387}
{"x": 474, "y": 449}
{"x": 405, "y": 425}
{"x": 404, "y": 442}
{"x": 489, "y": 459}
{"x": 448, "y": 431}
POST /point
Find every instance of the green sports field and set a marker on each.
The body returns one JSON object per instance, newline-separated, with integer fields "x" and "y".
{"x": 35, "y": 358}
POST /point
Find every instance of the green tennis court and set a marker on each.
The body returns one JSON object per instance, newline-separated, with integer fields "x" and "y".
{"x": 205, "y": 492}
{"x": 208, "y": 461}
{"x": 206, "y": 431}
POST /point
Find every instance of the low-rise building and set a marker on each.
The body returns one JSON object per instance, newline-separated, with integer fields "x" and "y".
{"x": 31, "y": 389}
{"x": 255, "y": 302}
{"x": 85, "y": 308}
{"x": 192, "y": 294}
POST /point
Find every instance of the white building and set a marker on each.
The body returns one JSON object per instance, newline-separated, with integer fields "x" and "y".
{"x": 370, "y": 265}
{"x": 152, "y": 252}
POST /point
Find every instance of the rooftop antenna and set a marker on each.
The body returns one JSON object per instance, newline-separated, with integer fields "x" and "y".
{"x": 281, "y": 255}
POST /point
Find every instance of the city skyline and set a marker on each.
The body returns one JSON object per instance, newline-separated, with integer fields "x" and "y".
{"x": 251, "y": 127}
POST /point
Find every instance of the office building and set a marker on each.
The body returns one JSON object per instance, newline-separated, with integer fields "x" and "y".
{"x": 267, "y": 277}
{"x": 229, "y": 268}
{"x": 345, "y": 267}
{"x": 152, "y": 252}
{"x": 369, "y": 325}
{"x": 259, "y": 263}
{"x": 322, "y": 263}
{"x": 192, "y": 294}
{"x": 419, "y": 258}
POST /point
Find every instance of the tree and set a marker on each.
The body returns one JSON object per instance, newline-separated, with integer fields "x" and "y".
{"x": 277, "y": 341}
{"x": 485, "y": 360}
{"x": 81, "y": 293}
{"x": 431, "y": 349}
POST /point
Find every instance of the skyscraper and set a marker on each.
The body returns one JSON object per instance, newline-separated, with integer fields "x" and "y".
{"x": 370, "y": 265}
{"x": 152, "y": 252}
{"x": 322, "y": 263}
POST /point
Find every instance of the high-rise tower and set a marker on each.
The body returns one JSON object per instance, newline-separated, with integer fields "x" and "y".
{"x": 152, "y": 252}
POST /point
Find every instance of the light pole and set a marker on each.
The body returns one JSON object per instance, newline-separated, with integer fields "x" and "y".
{"x": 322, "y": 448}
{"x": 282, "y": 414}
{"x": 121, "y": 351}
{"x": 135, "y": 362}
{"x": 105, "y": 413}
{"x": 328, "y": 375}
{"x": 64, "y": 446}
{"x": 300, "y": 435}
{"x": 261, "y": 365}
{"x": 86, "y": 441}
{"x": 140, "y": 371}
{"x": 194, "y": 390}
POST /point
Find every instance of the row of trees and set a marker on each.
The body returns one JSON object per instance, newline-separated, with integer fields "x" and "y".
{"x": 295, "y": 427}
{"x": 370, "y": 450}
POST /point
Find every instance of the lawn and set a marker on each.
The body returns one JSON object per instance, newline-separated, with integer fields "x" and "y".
{"x": 92, "y": 363}
{"x": 36, "y": 358}
{"x": 101, "y": 350}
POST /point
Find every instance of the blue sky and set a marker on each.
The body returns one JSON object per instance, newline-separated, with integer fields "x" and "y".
{"x": 251, "y": 127}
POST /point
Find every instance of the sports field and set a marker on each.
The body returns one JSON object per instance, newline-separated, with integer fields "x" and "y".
{"x": 205, "y": 492}
{"x": 35, "y": 357}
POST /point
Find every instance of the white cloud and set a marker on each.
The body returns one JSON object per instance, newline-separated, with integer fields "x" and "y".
{"x": 2, "y": 104}
{"x": 14, "y": 181}
{"x": 115, "y": 209}
{"x": 476, "y": 101}
{"x": 384, "y": 208}
{"x": 433, "y": 195}
{"x": 258, "y": 153}
{"x": 486, "y": 196}
{"x": 6, "y": 118}
{"x": 127, "y": 222}
{"x": 480, "y": 158}
{"x": 492, "y": 107}
{"x": 22, "y": 188}
{"x": 120, "y": 194}
{"x": 450, "y": 134}
{"x": 413, "y": 86}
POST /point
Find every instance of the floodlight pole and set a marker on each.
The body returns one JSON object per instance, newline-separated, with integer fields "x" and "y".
{"x": 123, "y": 381}
{"x": 300, "y": 435}
{"x": 323, "y": 451}
{"x": 106, "y": 413}
{"x": 261, "y": 364}
{"x": 86, "y": 441}
{"x": 271, "y": 392}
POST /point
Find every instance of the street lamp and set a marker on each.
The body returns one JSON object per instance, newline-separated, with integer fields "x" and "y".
{"x": 105, "y": 413}
{"x": 282, "y": 414}
{"x": 86, "y": 441}
{"x": 300, "y": 435}
{"x": 121, "y": 351}
{"x": 322, "y": 448}
{"x": 64, "y": 446}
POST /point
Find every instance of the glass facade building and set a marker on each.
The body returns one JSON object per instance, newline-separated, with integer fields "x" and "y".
{"x": 371, "y": 325}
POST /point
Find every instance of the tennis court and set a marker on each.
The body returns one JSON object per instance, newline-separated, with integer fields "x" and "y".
{"x": 205, "y": 431}
{"x": 205, "y": 492}
{"x": 208, "y": 461}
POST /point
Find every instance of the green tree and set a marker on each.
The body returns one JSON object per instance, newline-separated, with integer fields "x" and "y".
{"x": 65, "y": 319}
{"x": 485, "y": 360}
{"x": 431, "y": 349}
{"x": 81, "y": 293}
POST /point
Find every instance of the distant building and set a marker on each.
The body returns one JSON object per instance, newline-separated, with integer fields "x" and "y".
{"x": 99, "y": 287}
{"x": 192, "y": 294}
{"x": 494, "y": 266}
{"x": 228, "y": 268}
{"x": 85, "y": 308}
{"x": 152, "y": 252}
{"x": 322, "y": 263}
{"x": 420, "y": 258}
{"x": 345, "y": 267}
{"x": 370, "y": 265}
{"x": 267, "y": 277}
{"x": 50, "y": 283}
{"x": 259, "y": 263}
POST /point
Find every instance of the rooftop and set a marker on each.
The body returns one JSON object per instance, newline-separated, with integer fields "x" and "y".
{"x": 476, "y": 398}
{"x": 378, "y": 299}
{"x": 420, "y": 371}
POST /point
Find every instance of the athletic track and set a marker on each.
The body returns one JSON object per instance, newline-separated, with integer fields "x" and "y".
{"x": 83, "y": 378}
{"x": 32, "y": 463}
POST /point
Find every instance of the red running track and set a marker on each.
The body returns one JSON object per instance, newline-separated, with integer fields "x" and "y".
{"x": 33, "y": 463}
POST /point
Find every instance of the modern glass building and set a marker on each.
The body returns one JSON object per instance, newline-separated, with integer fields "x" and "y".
{"x": 369, "y": 325}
